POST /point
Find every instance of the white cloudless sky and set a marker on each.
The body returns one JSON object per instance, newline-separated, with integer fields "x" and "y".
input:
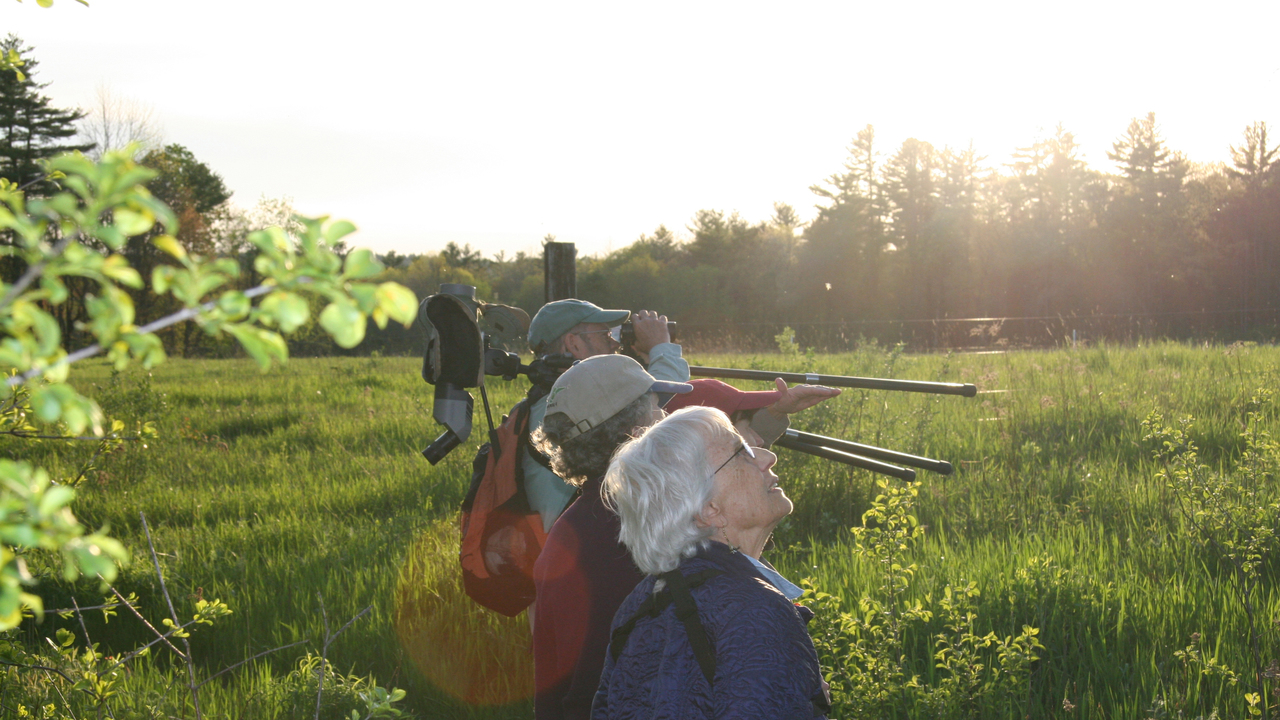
{"x": 498, "y": 123}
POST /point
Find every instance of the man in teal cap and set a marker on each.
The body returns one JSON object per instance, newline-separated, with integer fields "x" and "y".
{"x": 583, "y": 330}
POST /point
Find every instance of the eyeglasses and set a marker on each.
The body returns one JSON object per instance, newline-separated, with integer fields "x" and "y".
{"x": 596, "y": 332}
{"x": 743, "y": 447}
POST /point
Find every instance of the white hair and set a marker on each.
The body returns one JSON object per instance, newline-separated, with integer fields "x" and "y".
{"x": 659, "y": 483}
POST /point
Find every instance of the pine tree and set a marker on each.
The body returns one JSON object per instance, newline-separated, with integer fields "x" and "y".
{"x": 845, "y": 244}
{"x": 31, "y": 129}
{"x": 1150, "y": 238}
{"x": 911, "y": 179}
{"x": 1246, "y": 224}
{"x": 1049, "y": 219}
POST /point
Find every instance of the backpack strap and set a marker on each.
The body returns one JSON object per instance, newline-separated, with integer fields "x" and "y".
{"x": 687, "y": 613}
{"x": 677, "y": 591}
{"x": 536, "y": 393}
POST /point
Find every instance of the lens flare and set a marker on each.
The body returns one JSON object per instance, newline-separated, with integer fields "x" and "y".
{"x": 471, "y": 653}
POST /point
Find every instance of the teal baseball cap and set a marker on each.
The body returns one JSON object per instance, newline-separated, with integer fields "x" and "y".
{"x": 559, "y": 317}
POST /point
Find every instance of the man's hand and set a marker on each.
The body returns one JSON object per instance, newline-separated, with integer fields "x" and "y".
{"x": 800, "y": 397}
{"x": 651, "y": 329}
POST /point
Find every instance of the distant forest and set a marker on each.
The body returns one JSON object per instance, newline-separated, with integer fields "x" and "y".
{"x": 907, "y": 241}
{"x": 905, "y": 244}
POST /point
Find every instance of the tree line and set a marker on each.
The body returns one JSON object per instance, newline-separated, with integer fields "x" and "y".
{"x": 915, "y": 234}
{"x": 924, "y": 234}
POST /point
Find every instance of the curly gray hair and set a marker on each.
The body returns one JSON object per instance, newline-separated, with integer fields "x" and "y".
{"x": 659, "y": 484}
{"x": 587, "y": 455}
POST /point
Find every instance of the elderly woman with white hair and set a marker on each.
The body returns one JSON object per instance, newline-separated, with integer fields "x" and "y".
{"x": 712, "y": 630}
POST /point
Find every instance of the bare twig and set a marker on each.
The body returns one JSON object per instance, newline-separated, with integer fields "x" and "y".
{"x": 32, "y": 183}
{"x": 138, "y": 651}
{"x": 229, "y": 668}
{"x": 80, "y": 617}
{"x": 9, "y": 404}
{"x": 350, "y": 622}
{"x": 60, "y": 611}
{"x": 162, "y": 323}
{"x": 33, "y": 436}
{"x": 159, "y": 635}
{"x": 89, "y": 643}
{"x": 328, "y": 640}
{"x": 88, "y": 465}
{"x": 173, "y": 614}
{"x": 20, "y": 666}
{"x": 66, "y": 703}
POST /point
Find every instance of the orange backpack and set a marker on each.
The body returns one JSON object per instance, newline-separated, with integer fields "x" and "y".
{"x": 501, "y": 535}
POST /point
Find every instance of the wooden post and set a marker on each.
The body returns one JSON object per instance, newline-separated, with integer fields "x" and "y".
{"x": 559, "y": 270}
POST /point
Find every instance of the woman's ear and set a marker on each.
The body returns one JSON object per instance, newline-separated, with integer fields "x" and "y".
{"x": 710, "y": 516}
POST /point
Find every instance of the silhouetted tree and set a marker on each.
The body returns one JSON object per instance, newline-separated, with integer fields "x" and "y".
{"x": 1147, "y": 234}
{"x": 841, "y": 261}
{"x": 31, "y": 129}
{"x": 911, "y": 186}
{"x": 1049, "y": 221}
{"x": 1246, "y": 227}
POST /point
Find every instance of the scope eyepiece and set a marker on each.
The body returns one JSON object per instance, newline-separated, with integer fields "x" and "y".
{"x": 436, "y": 451}
{"x": 501, "y": 362}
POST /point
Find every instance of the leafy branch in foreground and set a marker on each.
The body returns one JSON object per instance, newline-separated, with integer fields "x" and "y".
{"x": 79, "y": 232}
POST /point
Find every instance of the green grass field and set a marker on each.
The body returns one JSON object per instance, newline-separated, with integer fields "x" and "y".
{"x": 299, "y": 495}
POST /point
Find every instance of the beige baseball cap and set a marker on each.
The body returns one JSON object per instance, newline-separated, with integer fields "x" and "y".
{"x": 596, "y": 389}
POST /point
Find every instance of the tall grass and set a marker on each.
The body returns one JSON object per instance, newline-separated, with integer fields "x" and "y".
{"x": 300, "y": 493}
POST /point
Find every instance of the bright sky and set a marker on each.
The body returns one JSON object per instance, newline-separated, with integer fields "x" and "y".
{"x": 497, "y": 123}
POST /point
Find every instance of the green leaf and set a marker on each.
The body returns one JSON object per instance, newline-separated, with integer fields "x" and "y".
{"x": 56, "y": 289}
{"x": 262, "y": 345}
{"x": 10, "y": 606}
{"x": 162, "y": 278}
{"x": 90, "y": 560}
{"x": 288, "y": 310}
{"x": 398, "y": 302}
{"x": 234, "y": 304}
{"x": 362, "y": 263}
{"x": 20, "y": 535}
{"x": 108, "y": 234}
{"x": 338, "y": 230}
{"x": 55, "y": 498}
{"x": 48, "y": 334}
{"x": 111, "y": 548}
{"x": 46, "y": 404}
{"x": 80, "y": 414}
{"x": 365, "y": 295}
{"x": 133, "y": 223}
{"x": 117, "y": 268}
{"x": 251, "y": 344}
{"x": 344, "y": 322}
{"x": 170, "y": 244}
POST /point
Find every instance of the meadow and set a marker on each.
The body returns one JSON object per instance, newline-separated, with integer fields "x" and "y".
{"x": 299, "y": 498}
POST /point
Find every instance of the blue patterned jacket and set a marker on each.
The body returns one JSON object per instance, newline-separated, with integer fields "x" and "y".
{"x": 766, "y": 666}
